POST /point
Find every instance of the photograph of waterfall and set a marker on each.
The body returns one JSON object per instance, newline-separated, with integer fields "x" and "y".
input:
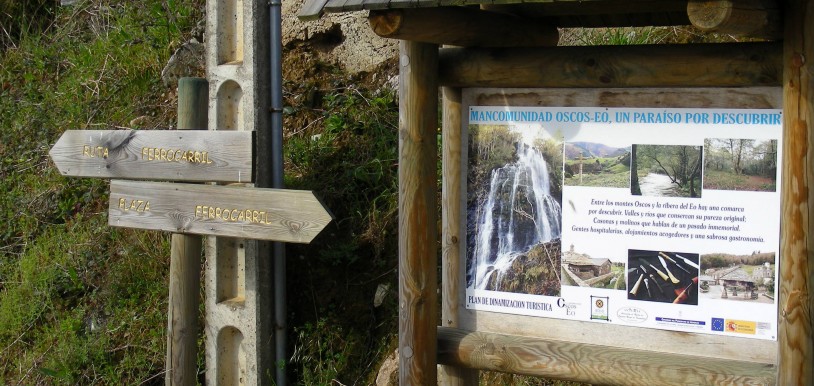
{"x": 596, "y": 164}
{"x": 514, "y": 210}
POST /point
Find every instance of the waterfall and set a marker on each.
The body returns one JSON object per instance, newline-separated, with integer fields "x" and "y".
{"x": 518, "y": 214}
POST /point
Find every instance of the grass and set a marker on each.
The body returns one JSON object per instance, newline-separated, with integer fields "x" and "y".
{"x": 726, "y": 180}
{"x": 638, "y": 36}
{"x": 352, "y": 164}
{"x": 606, "y": 180}
{"x": 612, "y": 175}
{"x": 80, "y": 302}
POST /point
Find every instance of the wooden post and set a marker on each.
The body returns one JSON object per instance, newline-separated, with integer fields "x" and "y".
{"x": 796, "y": 282}
{"x": 580, "y": 168}
{"x": 752, "y": 18}
{"x": 462, "y": 27}
{"x": 418, "y": 237}
{"x": 453, "y": 282}
{"x": 185, "y": 258}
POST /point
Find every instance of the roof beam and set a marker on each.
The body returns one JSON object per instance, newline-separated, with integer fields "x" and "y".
{"x": 464, "y": 27}
{"x": 748, "y": 18}
{"x": 681, "y": 65}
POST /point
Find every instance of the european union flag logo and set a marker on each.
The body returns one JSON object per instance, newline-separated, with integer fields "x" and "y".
{"x": 717, "y": 324}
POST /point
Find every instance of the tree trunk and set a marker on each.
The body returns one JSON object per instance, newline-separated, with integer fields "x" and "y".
{"x": 634, "y": 173}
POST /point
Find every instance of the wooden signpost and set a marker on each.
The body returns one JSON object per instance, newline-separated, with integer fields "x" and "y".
{"x": 189, "y": 210}
{"x": 264, "y": 214}
{"x": 219, "y": 156}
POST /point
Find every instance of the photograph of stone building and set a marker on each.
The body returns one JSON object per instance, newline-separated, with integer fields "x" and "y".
{"x": 736, "y": 283}
{"x": 580, "y": 269}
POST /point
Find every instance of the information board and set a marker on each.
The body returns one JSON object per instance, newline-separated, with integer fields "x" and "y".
{"x": 656, "y": 218}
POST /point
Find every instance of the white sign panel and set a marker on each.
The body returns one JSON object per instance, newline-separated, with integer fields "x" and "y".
{"x": 657, "y": 218}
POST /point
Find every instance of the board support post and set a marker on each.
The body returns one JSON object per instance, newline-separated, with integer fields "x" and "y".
{"x": 795, "y": 322}
{"x": 452, "y": 237}
{"x": 418, "y": 238}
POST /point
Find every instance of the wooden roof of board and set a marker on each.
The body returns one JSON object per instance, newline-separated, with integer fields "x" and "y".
{"x": 562, "y": 13}
{"x": 747, "y": 18}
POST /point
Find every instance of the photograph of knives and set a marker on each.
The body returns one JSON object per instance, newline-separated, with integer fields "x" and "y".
{"x": 674, "y": 262}
{"x": 688, "y": 261}
{"x": 635, "y": 288}
{"x": 670, "y": 274}
{"x": 662, "y": 274}
{"x": 672, "y": 285}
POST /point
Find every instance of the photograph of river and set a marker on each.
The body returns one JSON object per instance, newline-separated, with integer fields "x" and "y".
{"x": 514, "y": 210}
{"x": 666, "y": 170}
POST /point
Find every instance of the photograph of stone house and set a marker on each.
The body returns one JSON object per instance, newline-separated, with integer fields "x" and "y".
{"x": 580, "y": 269}
{"x": 734, "y": 277}
{"x": 742, "y": 277}
{"x": 735, "y": 283}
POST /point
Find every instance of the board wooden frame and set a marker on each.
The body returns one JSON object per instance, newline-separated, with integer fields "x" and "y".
{"x": 748, "y": 360}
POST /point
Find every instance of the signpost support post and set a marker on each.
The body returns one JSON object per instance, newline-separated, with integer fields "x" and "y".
{"x": 185, "y": 257}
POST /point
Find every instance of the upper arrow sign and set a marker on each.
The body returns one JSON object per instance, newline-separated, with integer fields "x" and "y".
{"x": 265, "y": 214}
{"x": 188, "y": 155}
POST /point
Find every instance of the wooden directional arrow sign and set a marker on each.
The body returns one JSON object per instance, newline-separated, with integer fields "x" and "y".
{"x": 188, "y": 155}
{"x": 266, "y": 214}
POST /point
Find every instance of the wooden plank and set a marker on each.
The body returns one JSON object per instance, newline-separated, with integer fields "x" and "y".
{"x": 572, "y": 8}
{"x": 265, "y": 214}
{"x": 452, "y": 234}
{"x": 353, "y": 5}
{"x": 591, "y": 363}
{"x": 749, "y": 18}
{"x": 311, "y": 10}
{"x": 462, "y": 27}
{"x": 398, "y": 4}
{"x": 698, "y": 65}
{"x": 334, "y": 6}
{"x": 554, "y": 13}
{"x": 185, "y": 259}
{"x": 222, "y": 156}
{"x": 377, "y": 4}
{"x": 451, "y": 3}
{"x": 697, "y": 97}
{"x": 668, "y": 342}
{"x": 796, "y": 339}
{"x": 418, "y": 237}
{"x": 567, "y": 6}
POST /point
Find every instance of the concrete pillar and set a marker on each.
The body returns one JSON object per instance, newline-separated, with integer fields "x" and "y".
{"x": 239, "y": 342}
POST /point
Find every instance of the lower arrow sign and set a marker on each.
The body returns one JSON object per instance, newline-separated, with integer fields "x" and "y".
{"x": 265, "y": 214}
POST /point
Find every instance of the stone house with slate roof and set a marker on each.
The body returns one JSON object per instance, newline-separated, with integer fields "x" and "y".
{"x": 735, "y": 277}
{"x": 584, "y": 266}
